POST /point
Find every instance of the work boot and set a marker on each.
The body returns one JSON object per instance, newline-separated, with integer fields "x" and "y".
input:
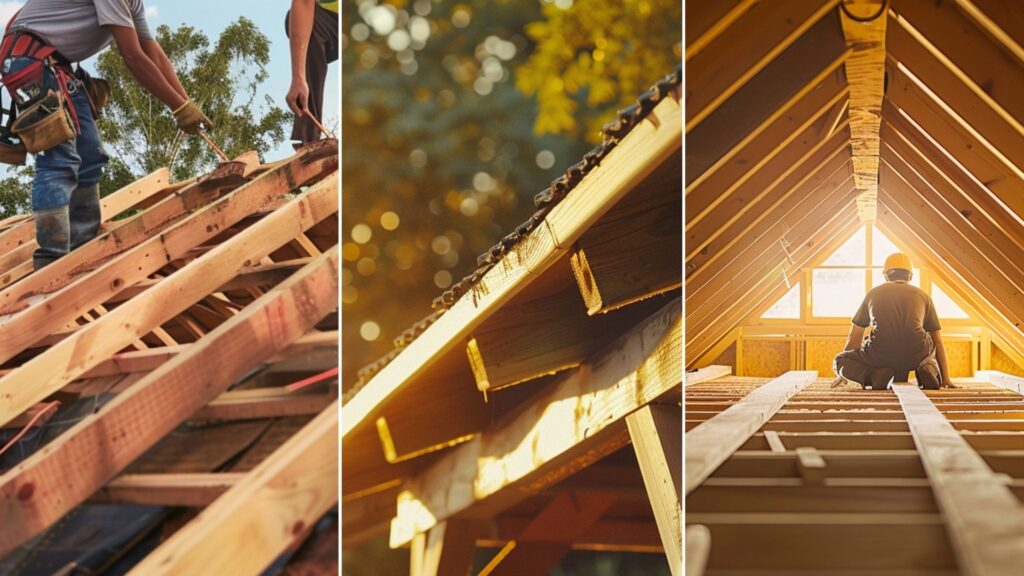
{"x": 84, "y": 214}
{"x": 879, "y": 378}
{"x": 928, "y": 376}
{"x": 52, "y": 234}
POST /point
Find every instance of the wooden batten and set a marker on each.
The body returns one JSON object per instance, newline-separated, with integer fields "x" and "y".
{"x": 504, "y": 467}
{"x": 635, "y": 252}
{"x": 865, "y": 71}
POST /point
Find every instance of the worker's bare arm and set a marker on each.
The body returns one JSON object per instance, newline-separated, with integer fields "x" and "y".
{"x": 300, "y": 27}
{"x": 856, "y": 338}
{"x": 143, "y": 68}
{"x": 157, "y": 56}
{"x": 940, "y": 357}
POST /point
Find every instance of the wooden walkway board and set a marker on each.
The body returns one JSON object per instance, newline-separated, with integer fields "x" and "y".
{"x": 711, "y": 443}
{"x": 801, "y": 501}
{"x": 984, "y": 518}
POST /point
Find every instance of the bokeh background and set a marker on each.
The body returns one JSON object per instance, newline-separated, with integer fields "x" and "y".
{"x": 454, "y": 114}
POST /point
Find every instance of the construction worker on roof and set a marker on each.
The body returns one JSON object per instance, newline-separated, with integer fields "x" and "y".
{"x": 57, "y": 106}
{"x": 905, "y": 335}
{"x": 312, "y": 27}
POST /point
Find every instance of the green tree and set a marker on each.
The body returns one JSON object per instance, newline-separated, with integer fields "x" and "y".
{"x": 15, "y": 191}
{"x": 598, "y": 53}
{"x": 223, "y": 78}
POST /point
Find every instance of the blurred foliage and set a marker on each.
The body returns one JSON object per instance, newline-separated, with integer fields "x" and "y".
{"x": 16, "y": 191}
{"x": 224, "y": 78}
{"x": 454, "y": 115}
{"x": 601, "y": 50}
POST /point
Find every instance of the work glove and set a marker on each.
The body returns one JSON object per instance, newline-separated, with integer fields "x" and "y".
{"x": 190, "y": 118}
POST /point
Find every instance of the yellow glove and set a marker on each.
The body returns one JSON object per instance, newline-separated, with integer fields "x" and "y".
{"x": 190, "y": 118}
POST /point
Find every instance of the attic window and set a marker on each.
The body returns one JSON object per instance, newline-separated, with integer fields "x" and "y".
{"x": 945, "y": 306}
{"x": 787, "y": 307}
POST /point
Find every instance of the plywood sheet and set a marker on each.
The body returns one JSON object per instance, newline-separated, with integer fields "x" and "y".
{"x": 765, "y": 358}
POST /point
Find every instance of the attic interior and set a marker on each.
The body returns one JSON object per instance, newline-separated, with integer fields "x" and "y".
{"x": 822, "y": 136}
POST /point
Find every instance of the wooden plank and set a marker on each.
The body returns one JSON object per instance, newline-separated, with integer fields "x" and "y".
{"x": 196, "y": 490}
{"x": 824, "y": 90}
{"x": 29, "y": 325}
{"x": 528, "y": 339}
{"x": 780, "y": 543}
{"x": 498, "y": 464}
{"x": 711, "y": 443}
{"x": 636, "y": 251}
{"x": 983, "y": 517}
{"x": 707, "y": 21}
{"x": 447, "y": 549}
{"x": 261, "y": 403}
{"x": 865, "y": 71}
{"x": 269, "y": 511}
{"x": 912, "y": 58}
{"x": 698, "y": 547}
{"x": 794, "y": 495}
{"x": 977, "y": 60}
{"x": 76, "y": 354}
{"x": 744, "y": 49}
{"x": 818, "y": 49}
{"x": 39, "y": 491}
{"x": 644, "y": 148}
{"x": 706, "y": 373}
{"x": 657, "y": 435}
{"x": 1003, "y": 380}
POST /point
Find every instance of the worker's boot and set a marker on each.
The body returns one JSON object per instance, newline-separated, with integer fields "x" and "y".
{"x": 928, "y": 376}
{"x": 879, "y": 378}
{"x": 84, "y": 214}
{"x": 53, "y": 234}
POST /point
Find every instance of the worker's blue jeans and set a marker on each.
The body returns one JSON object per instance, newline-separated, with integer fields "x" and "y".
{"x": 66, "y": 174}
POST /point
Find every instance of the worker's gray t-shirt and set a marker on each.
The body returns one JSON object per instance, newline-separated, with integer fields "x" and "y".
{"x": 76, "y": 27}
{"x": 901, "y": 318}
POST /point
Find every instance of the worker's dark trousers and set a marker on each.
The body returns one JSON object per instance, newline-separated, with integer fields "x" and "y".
{"x": 323, "y": 49}
{"x": 853, "y": 365}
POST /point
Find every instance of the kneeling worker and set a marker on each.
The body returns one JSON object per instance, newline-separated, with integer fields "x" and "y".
{"x": 905, "y": 335}
{"x": 56, "y": 107}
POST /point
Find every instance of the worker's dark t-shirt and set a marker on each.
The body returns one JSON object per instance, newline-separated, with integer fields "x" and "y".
{"x": 901, "y": 317}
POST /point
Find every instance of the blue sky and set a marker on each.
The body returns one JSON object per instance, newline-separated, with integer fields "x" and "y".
{"x": 212, "y": 16}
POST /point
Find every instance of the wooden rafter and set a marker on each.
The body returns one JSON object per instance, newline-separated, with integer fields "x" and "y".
{"x": 865, "y": 72}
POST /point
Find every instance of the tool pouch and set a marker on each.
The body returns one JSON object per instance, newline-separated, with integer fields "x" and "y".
{"x": 97, "y": 89}
{"x": 45, "y": 124}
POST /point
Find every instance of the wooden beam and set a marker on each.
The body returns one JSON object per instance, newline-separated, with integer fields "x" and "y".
{"x": 745, "y": 49}
{"x": 828, "y": 86}
{"x": 528, "y": 339}
{"x": 779, "y": 543}
{"x": 262, "y": 403}
{"x": 86, "y": 348}
{"x": 195, "y": 490}
{"x": 446, "y": 549}
{"x": 706, "y": 22}
{"x": 547, "y": 439}
{"x": 865, "y": 71}
{"x": 711, "y": 443}
{"x": 657, "y": 435}
{"x": 39, "y": 491}
{"x": 636, "y": 251}
{"x": 800, "y": 64}
{"x": 706, "y": 373}
{"x": 646, "y": 146}
{"x": 983, "y": 517}
{"x": 698, "y": 547}
{"x": 911, "y": 57}
{"x": 1005, "y": 381}
{"x": 269, "y": 511}
{"x": 91, "y": 289}
{"x": 974, "y": 57}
